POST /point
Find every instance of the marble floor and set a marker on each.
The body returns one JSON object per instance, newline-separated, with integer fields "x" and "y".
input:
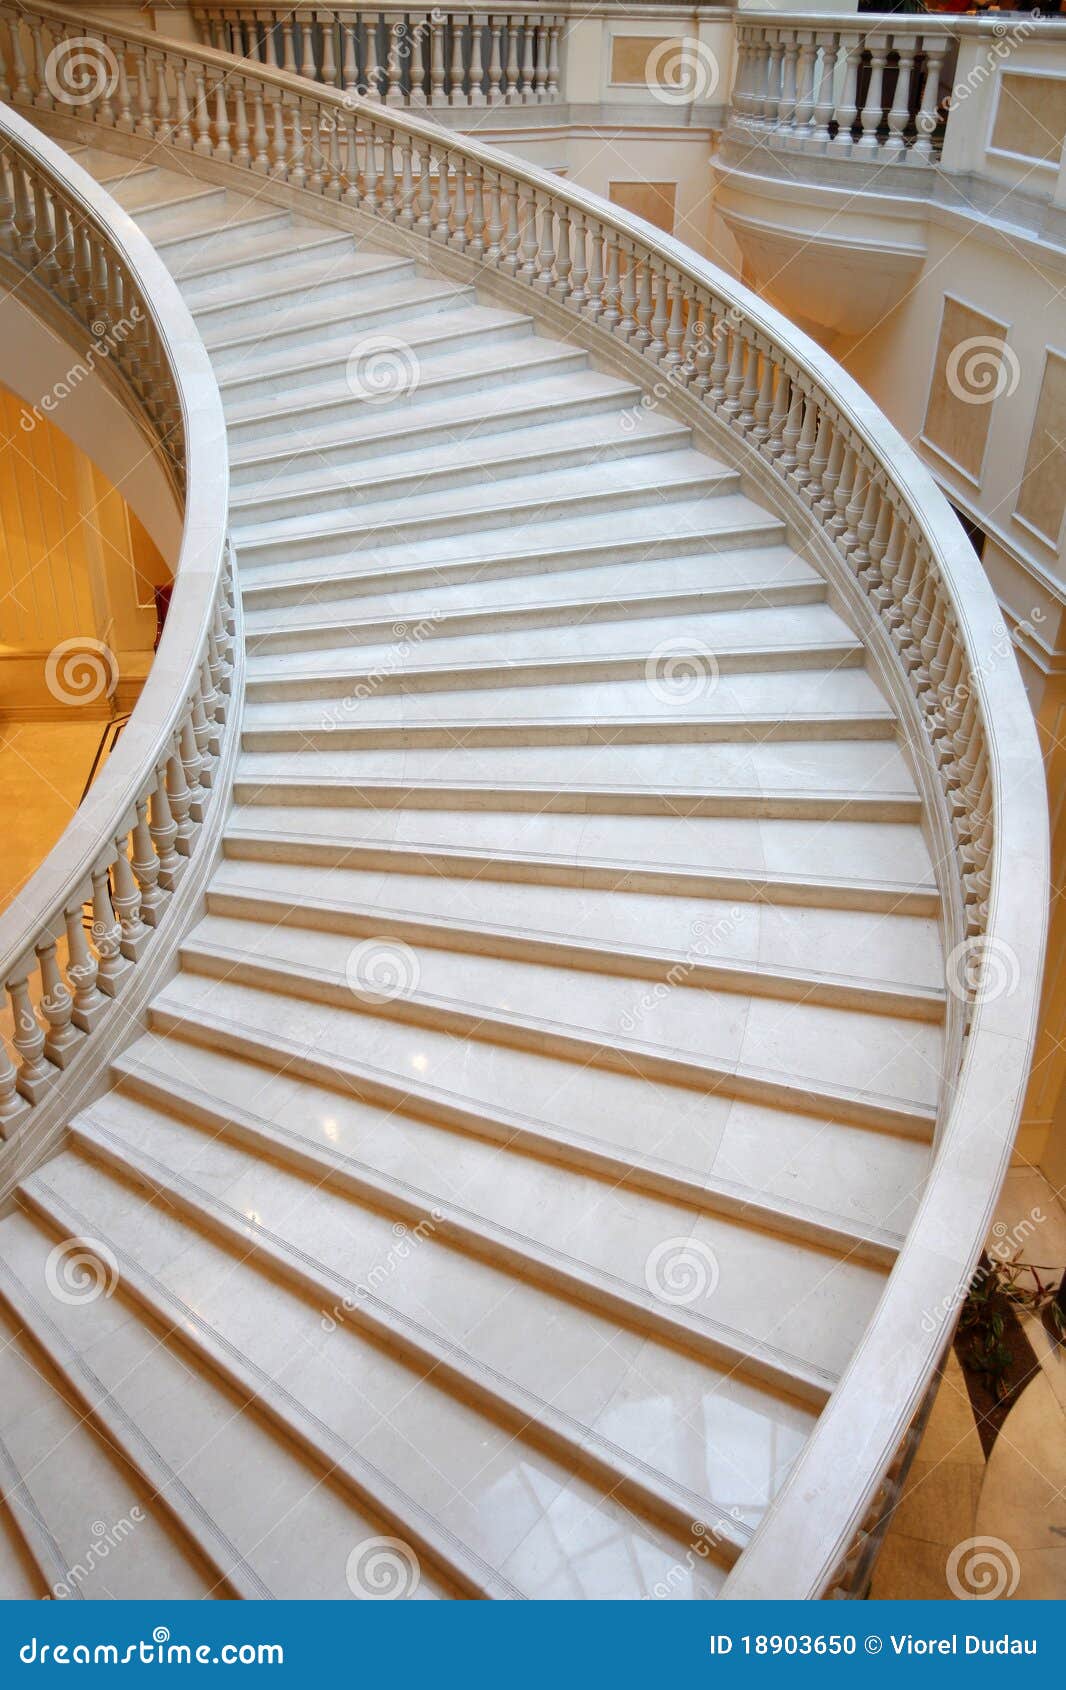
{"x": 995, "y": 1526}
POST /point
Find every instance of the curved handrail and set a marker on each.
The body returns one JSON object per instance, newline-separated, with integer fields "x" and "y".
{"x": 81, "y": 259}
{"x": 886, "y": 533}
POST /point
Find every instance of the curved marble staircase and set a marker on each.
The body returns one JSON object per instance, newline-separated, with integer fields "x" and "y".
{"x": 517, "y": 1155}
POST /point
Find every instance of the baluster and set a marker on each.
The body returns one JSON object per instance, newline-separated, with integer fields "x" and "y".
{"x": 12, "y": 1107}
{"x": 373, "y": 64}
{"x": 786, "y": 105}
{"x": 82, "y": 968}
{"x": 23, "y": 94}
{"x": 183, "y": 136}
{"x": 511, "y": 93}
{"x": 530, "y": 245}
{"x": 112, "y": 966}
{"x": 642, "y": 334}
{"x": 57, "y": 1004}
{"x": 297, "y": 151}
{"x": 763, "y": 407}
{"x": 848, "y": 110}
{"x": 675, "y": 330}
{"x": 899, "y": 113}
{"x": 146, "y": 868}
{"x": 260, "y": 137}
{"x": 127, "y": 901}
{"x": 611, "y": 317}
{"x": 477, "y": 69}
{"x": 457, "y": 74}
{"x": 926, "y": 116}
{"x": 223, "y": 150}
{"x": 495, "y": 222}
{"x": 552, "y": 90}
{"x": 872, "y": 114}
{"x": 395, "y": 31}
{"x": 528, "y": 36}
{"x": 145, "y": 111}
{"x": 806, "y": 90}
{"x": 288, "y": 48}
{"x": 825, "y": 81}
{"x": 573, "y": 237}
{"x": 719, "y": 370}
{"x": 306, "y": 42}
{"x": 496, "y": 91}
{"x": 406, "y": 216}
{"x": 476, "y": 244}
{"x": 164, "y": 831}
{"x": 842, "y": 494}
{"x": 540, "y": 80}
{"x": 660, "y": 317}
{"x": 546, "y": 252}
{"x": 772, "y": 101}
{"x": 162, "y": 100}
{"x": 437, "y": 96}
{"x": 863, "y": 517}
{"x": 418, "y": 64}
{"x": 350, "y": 72}
{"x": 424, "y": 221}
{"x": 328, "y": 70}
{"x": 279, "y": 168}
{"x": 125, "y": 120}
{"x": 442, "y": 227}
{"x": 202, "y": 144}
{"x": 35, "y": 1073}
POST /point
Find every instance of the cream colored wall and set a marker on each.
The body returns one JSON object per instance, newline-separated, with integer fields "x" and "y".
{"x": 75, "y": 565}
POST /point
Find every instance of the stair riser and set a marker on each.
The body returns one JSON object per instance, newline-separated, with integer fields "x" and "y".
{"x": 480, "y": 1024}
{"x": 341, "y": 636}
{"x": 301, "y": 318}
{"x": 356, "y": 685}
{"x": 475, "y": 734}
{"x": 395, "y": 530}
{"x": 240, "y": 846}
{"x": 264, "y": 593}
{"x": 787, "y": 987}
{"x": 359, "y": 447}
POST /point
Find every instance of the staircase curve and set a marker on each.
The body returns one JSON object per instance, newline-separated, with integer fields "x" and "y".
{"x": 551, "y": 1161}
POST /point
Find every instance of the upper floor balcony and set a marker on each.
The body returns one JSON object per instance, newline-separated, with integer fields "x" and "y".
{"x": 849, "y": 135}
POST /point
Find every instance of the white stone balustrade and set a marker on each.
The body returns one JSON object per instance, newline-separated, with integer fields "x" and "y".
{"x": 73, "y": 939}
{"x": 810, "y": 436}
{"x": 863, "y": 87}
{"x": 430, "y": 57}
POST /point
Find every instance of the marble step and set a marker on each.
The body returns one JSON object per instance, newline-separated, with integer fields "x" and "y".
{"x": 113, "y": 170}
{"x": 871, "y": 1070}
{"x": 831, "y": 1182}
{"x": 529, "y": 401}
{"x": 120, "y": 1547}
{"x": 842, "y": 859}
{"x": 324, "y": 271}
{"x": 644, "y": 530}
{"x": 747, "y": 573}
{"x": 527, "y": 1219}
{"x": 321, "y": 840}
{"x": 587, "y": 440}
{"x": 182, "y": 1434}
{"x": 216, "y": 247}
{"x": 198, "y": 1412}
{"x": 438, "y": 624}
{"x": 519, "y": 502}
{"x": 355, "y": 1411}
{"x": 784, "y": 951}
{"x": 453, "y": 364}
{"x": 179, "y": 207}
{"x": 221, "y": 291}
{"x": 304, "y": 360}
{"x": 225, "y": 1163}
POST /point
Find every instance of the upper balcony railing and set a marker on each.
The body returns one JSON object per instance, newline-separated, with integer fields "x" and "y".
{"x": 436, "y": 56}
{"x": 73, "y": 941}
{"x": 880, "y": 89}
{"x": 812, "y": 441}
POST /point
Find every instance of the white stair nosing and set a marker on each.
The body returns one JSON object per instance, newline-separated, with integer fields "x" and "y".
{"x": 118, "y": 1428}
{"x": 537, "y": 1033}
{"x": 503, "y": 1398}
{"x": 876, "y": 897}
{"x": 480, "y": 938}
